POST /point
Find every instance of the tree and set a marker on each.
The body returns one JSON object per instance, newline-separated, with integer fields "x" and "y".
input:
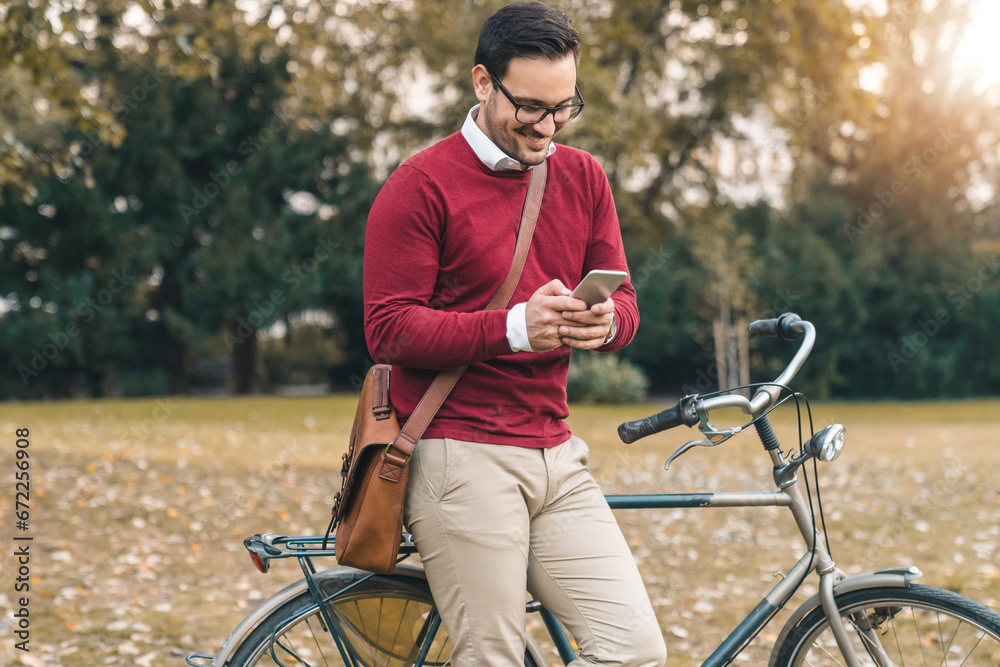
{"x": 873, "y": 234}
{"x": 897, "y": 173}
{"x": 199, "y": 202}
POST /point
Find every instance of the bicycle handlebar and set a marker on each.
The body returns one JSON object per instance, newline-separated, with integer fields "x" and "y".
{"x": 631, "y": 431}
{"x": 688, "y": 409}
{"x": 784, "y": 327}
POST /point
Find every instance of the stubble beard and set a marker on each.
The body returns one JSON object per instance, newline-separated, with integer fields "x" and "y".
{"x": 505, "y": 139}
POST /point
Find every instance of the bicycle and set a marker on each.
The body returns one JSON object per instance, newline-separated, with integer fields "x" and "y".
{"x": 881, "y": 618}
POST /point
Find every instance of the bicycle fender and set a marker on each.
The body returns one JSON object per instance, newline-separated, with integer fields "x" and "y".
{"x": 264, "y": 609}
{"x": 247, "y": 625}
{"x": 894, "y": 577}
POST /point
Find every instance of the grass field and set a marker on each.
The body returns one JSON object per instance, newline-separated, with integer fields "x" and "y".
{"x": 138, "y": 509}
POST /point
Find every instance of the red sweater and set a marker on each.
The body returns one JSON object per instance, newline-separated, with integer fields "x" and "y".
{"x": 439, "y": 242}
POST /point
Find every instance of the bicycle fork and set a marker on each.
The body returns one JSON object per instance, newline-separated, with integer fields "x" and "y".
{"x": 828, "y": 576}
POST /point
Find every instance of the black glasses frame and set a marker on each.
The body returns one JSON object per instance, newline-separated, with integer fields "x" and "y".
{"x": 575, "y": 109}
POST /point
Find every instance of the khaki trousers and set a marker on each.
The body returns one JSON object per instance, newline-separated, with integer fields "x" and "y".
{"x": 492, "y": 521}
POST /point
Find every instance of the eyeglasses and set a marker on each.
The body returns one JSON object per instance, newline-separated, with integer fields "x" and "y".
{"x": 533, "y": 113}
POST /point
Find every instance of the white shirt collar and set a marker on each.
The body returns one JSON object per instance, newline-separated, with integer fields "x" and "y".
{"x": 486, "y": 150}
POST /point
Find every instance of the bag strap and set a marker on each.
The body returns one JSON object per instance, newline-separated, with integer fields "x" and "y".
{"x": 399, "y": 452}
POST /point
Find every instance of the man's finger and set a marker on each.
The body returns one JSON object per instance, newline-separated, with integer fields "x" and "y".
{"x": 568, "y": 304}
{"x": 603, "y": 308}
{"x": 584, "y": 333}
{"x": 589, "y": 344}
{"x": 554, "y": 288}
{"x": 587, "y": 318}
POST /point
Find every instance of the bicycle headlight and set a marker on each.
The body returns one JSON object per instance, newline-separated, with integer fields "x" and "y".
{"x": 826, "y": 444}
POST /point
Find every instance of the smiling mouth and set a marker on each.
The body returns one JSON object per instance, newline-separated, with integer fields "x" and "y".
{"x": 535, "y": 142}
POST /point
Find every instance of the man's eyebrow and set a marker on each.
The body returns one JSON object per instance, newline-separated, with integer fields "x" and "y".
{"x": 540, "y": 103}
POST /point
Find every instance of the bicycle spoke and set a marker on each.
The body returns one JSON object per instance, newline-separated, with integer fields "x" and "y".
{"x": 288, "y": 650}
{"x": 378, "y": 629}
{"x": 944, "y": 655}
{"x": 920, "y": 641}
{"x": 829, "y": 655}
{"x": 946, "y": 639}
{"x": 922, "y": 626}
{"x": 399, "y": 627}
{"x": 441, "y": 653}
{"x": 871, "y": 643}
{"x": 899, "y": 649}
{"x": 315, "y": 639}
{"x": 361, "y": 619}
{"x": 973, "y": 650}
{"x": 895, "y": 637}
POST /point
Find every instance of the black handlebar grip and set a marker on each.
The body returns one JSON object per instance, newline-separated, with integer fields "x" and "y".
{"x": 764, "y": 328}
{"x": 784, "y": 327}
{"x": 631, "y": 431}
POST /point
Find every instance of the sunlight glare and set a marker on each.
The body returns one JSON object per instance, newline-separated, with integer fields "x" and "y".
{"x": 979, "y": 53}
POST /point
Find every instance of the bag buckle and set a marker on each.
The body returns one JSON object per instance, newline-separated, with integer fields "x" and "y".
{"x": 396, "y": 456}
{"x": 393, "y": 463}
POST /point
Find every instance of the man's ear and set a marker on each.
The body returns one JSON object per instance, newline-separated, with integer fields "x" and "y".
{"x": 482, "y": 83}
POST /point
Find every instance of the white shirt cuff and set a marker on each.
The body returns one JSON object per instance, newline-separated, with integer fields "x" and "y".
{"x": 517, "y": 328}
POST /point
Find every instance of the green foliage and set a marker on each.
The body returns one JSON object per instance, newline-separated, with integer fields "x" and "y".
{"x": 307, "y": 356}
{"x": 604, "y": 378}
{"x": 220, "y": 211}
{"x": 129, "y": 240}
{"x": 670, "y": 345}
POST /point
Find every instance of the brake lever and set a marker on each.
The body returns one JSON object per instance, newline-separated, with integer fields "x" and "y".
{"x": 686, "y": 447}
{"x": 713, "y": 437}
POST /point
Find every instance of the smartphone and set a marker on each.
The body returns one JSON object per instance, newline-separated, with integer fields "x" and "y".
{"x": 598, "y": 285}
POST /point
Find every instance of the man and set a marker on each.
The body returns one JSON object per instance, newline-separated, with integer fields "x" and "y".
{"x": 500, "y": 499}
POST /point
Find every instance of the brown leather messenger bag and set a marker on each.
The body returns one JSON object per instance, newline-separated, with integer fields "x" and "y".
{"x": 368, "y": 510}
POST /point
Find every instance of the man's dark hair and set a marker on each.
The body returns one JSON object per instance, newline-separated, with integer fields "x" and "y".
{"x": 525, "y": 30}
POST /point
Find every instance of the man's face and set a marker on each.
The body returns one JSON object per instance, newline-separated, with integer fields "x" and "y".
{"x": 540, "y": 82}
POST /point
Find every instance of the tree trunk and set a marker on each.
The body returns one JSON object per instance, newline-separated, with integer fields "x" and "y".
{"x": 174, "y": 353}
{"x": 245, "y": 359}
{"x": 743, "y": 337}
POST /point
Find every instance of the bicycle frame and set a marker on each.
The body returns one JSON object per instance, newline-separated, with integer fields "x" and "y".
{"x": 816, "y": 557}
{"x": 304, "y": 549}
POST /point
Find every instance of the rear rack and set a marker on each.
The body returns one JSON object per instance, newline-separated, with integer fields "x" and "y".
{"x": 269, "y": 546}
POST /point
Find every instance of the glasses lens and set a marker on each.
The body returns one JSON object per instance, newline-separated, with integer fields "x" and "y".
{"x": 563, "y": 114}
{"x": 529, "y": 114}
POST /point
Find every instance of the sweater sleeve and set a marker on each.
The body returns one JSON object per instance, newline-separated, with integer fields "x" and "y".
{"x": 606, "y": 251}
{"x": 406, "y": 322}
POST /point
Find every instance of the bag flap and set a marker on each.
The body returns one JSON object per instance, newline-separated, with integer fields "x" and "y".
{"x": 359, "y": 468}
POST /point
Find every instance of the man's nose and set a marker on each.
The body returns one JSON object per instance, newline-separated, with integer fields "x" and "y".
{"x": 546, "y": 126}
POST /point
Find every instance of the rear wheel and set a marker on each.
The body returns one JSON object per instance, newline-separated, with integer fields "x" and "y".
{"x": 381, "y": 621}
{"x": 919, "y": 625}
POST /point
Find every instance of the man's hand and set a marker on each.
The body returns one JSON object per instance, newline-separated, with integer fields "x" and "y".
{"x": 555, "y": 318}
{"x": 544, "y": 315}
{"x": 587, "y": 329}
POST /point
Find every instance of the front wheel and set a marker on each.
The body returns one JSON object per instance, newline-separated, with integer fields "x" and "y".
{"x": 380, "y": 620}
{"x": 919, "y": 625}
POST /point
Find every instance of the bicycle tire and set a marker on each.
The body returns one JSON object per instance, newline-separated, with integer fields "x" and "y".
{"x": 382, "y": 621}
{"x": 919, "y": 625}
